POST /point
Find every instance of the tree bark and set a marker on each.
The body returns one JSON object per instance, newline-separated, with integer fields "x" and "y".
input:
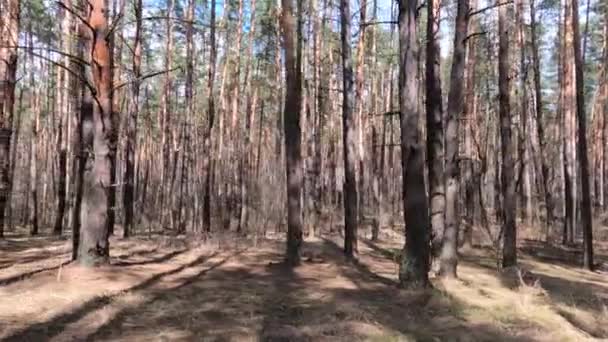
{"x": 8, "y": 71}
{"x": 449, "y": 249}
{"x": 208, "y": 158}
{"x": 582, "y": 142}
{"x": 131, "y": 143}
{"x": 94, "y": 246}
{"x": 292, "y": 32}
{"x": 415, "y": 262}
{"x": 509, "y": 251}
{"x": 349, "y": 136}
{"x": 540, "y": 124}
{"x": 434, "y": 127}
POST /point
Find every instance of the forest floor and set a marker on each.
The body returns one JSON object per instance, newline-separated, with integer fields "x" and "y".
{"x": 185, "y": 289}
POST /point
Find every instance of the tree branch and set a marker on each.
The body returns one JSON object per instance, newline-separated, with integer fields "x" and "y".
{"x": 475, "y": 34}
{"x": 144, "y": 77}
{"x": 479, "y": 11}
{"x": 370, "y": 23}
{"x": 84, "y": 21}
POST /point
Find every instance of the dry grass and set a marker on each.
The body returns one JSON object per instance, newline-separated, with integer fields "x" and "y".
{"x": 226, "y": 289}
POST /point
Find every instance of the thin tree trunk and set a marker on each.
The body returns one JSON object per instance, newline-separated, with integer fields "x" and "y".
{"x": 208, "y": 153}
{"x": 131, "y": 145}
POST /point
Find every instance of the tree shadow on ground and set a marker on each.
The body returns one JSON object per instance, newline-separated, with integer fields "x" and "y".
{"x": 53, "y": 327}
{"x": 328, "y": 298}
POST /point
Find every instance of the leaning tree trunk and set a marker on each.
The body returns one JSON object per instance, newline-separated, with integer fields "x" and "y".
{"x": 509, "y": 252}
{"x": 414, "y": 266}
{"x": 94, "y": 246}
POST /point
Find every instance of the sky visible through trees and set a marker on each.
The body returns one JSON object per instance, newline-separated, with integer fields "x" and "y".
{"x": 298, "y": 169}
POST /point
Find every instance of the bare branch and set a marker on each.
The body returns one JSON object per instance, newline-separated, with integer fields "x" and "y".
{"x": 84, "y": 21}
{"x": 479, "y": 11}
{"x": 475, "y": 34}
{"x": 370, "y": 23}
{"x": 73, "y": 57}
{"x": 144, "y": 77}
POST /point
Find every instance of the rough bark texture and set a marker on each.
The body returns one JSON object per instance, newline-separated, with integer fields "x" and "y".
{"x": 434, "y": 127}
{"x": 569, "y": 133}
{"x": 415, "y": 262}
{"x": 9, "y": 36}
{"x": 94, "y": 246}
{"x": 582, "y": 143}
{"x": 540, "y": 124}
{"x": 449, "y": 251}
{"x": 509, "y": 251}
{"x": 291, "y": 122}
{"x": 208, "y": 157}
{"x": 131, "y": 134}
{"x": 349, "y": 136}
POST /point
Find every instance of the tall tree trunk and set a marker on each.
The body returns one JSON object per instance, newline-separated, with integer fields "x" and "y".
{"x": 292, "y": 46}
{"x": 540, "y": 124}
{"x": 361, "y": 123}
{"x": 166, "y": 113}
{"x": 349, "y": 136}
{"x": 415, "y": 262}
{"x": 35, "y": 107}
{"x": 8, "y": 71}
{"x": 131, "y": 145}
{"x": 509, "y": 252}
{"x": 434, "y": 127}
{"x": 569, "y": 102}
{"x": 208, "y": 153}
{"x": 245, "y": 165}
{"x": 449, "y": 250}
{"x": 94, "y": 246}
{"x": 582, "y": 142}
{"x": 64, "y": 131}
